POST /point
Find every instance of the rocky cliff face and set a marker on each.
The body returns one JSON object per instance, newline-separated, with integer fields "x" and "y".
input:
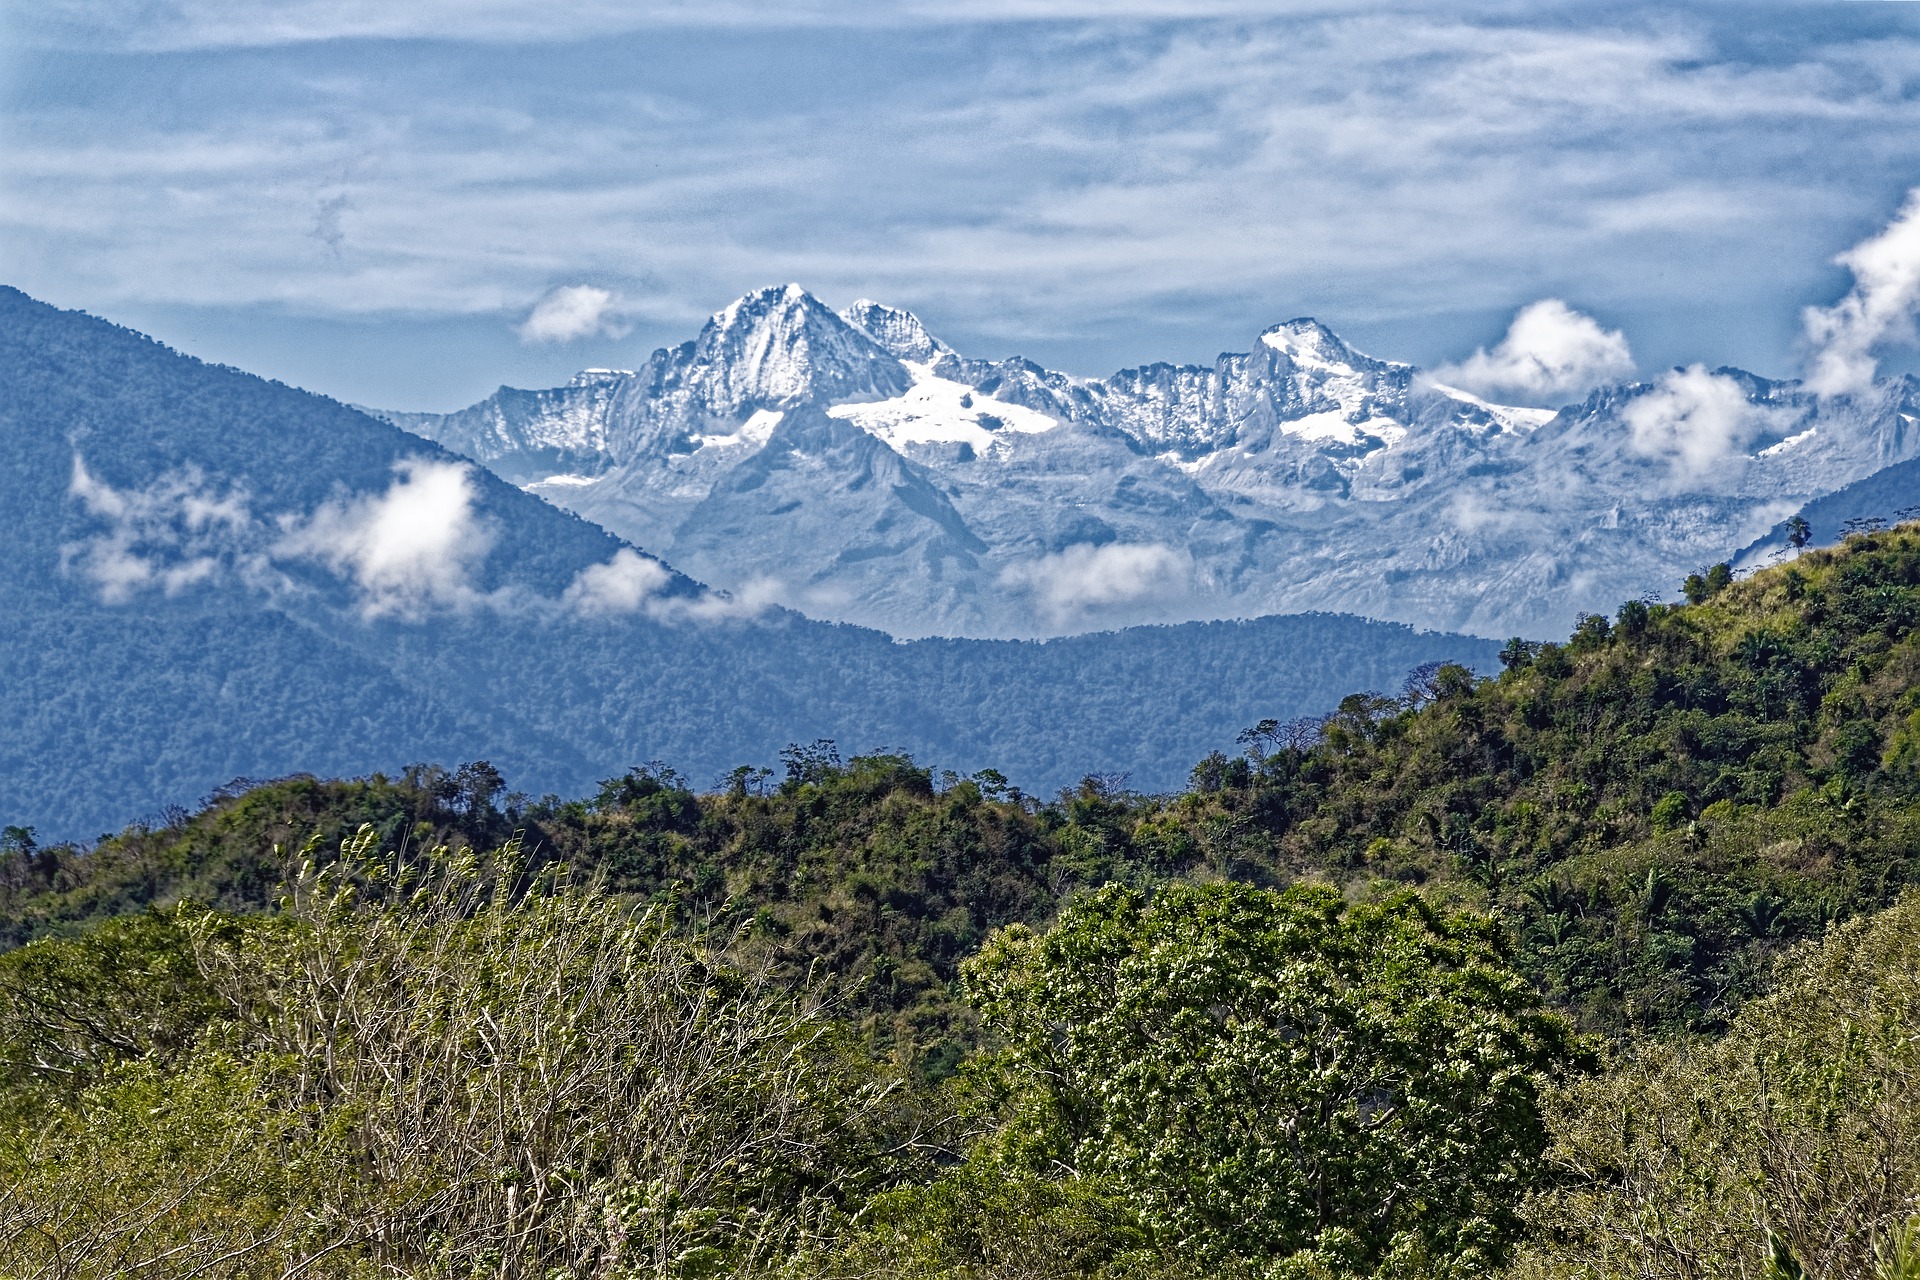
{"x": 858, "y": 468}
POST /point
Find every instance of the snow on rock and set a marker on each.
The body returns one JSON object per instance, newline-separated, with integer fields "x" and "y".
{"x": 524, "y": 434}
{"x": 899, "y": 332}
{"x": 750, "y": 434}
{"x": 783, "y": 345}
{"x": 1774, "y": 450}
{"x": 1337, "y": 425}
{"x": 875, "y": 475}
{"x": 1502, "y": 417}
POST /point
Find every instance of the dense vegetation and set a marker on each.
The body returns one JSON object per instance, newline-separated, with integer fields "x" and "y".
{"x": 1598, "y": 967}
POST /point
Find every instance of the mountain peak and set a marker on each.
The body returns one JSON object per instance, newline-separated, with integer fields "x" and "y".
{"x": 776, "y": 299}
{"x": 1312, "y": 345}
{"x": 1296, "y": 473}
{"x": 780, "y": 345}
{"x": 899, "y": 331}
{"x": 599, "y": 377}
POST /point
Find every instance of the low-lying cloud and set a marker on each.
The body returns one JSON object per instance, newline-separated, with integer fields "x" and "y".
{"x": 630, "y": 583}
{"x": 1085, "y": 578}
{"x": 1474, "y": 511}
{"x": 1696, "y": 420}
{"x": 753, "y": 598}
{"x": 176, "y": 533}
{"x": 626, "y": 583}
{"x": 1551, "y": 352}
{"x": 406, "y": 549}
{"x": 575, "y": 311}
{"x": 1879, "y": 309}
{"x": 409, "y": 548}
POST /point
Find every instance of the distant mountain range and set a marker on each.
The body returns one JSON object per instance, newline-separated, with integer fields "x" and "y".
{"x": 210, "y": 575}
{"x": 855, "y": 467}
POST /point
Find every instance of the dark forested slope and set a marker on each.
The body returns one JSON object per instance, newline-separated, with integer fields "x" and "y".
{"x": 1657, "y": 805}
{"x": 1693, "y": 829}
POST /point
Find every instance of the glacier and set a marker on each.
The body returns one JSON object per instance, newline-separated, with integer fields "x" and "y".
{"x": 851, "y": 465}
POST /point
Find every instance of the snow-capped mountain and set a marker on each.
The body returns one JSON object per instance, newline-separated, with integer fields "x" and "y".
{"x": 854, "y": 466}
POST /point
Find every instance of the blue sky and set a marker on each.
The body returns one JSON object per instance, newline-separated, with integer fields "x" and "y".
{"x": 369, "y": 198}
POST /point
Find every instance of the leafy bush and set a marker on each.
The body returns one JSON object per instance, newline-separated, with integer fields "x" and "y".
{"x": 1265, "y": 1076}
{"x": 432, "y": 1066}
{"x": 1802, "y": 1124}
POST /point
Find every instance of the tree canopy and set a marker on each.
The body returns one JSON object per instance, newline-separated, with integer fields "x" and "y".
{"x": 1264, "y": 1074}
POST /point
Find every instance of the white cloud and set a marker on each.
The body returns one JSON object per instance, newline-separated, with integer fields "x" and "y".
{"x": 1879, "y": 309}
{"x": 406, "y": 548}
{"x": 575, "y": 311}
{"x": 409, "y": 548}
{"x": 216, "y": 24}
{"x": 1695, "y": 419}
{"x": 1084, "y": 578}
{"x": 749, "y": 600}
{"x": 632, "y": 583}
{"x": 624, "y": 584}
{"x": 175, "y": 533}
{"x": 1551, "y": 352}
{"x": 1472, "y": 511}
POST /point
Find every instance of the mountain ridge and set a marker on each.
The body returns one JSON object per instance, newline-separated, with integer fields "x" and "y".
{"x": 213, "y": 575}
{"x": 1298, "y": 475}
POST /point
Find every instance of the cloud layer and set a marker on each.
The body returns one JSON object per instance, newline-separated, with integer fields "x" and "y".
{"x": 1551, "y": 353}
{"x": 1879, "y": 309}
{"x": 1083, "y": 579}
{"x": 408, "y": 551}
{"x": 219, "y": 24}
{"x": 626, "y": 583}
{"x": 177, "y": 533}
{"x": 1695, "y": 421}
{"x": 1123, "y": 189}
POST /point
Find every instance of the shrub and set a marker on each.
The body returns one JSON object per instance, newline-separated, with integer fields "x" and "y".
{"x": 1803, "y": 1122}
{"x": 438, "y": 1066}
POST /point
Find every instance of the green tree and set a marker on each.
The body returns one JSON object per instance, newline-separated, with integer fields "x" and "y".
{"x": 73, "y": 1008}
{"x": 1701, "y": 587}
{"x": 1517, "y": 653}
{"x": 1669, "y": 811}
{"x": 1276, "y": 1075}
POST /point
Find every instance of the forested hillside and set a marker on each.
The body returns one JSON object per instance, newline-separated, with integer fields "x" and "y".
{"x": 210, "y": 576}
{"x": 1656, "y": 805}
{"x": 1368, "y": 998}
